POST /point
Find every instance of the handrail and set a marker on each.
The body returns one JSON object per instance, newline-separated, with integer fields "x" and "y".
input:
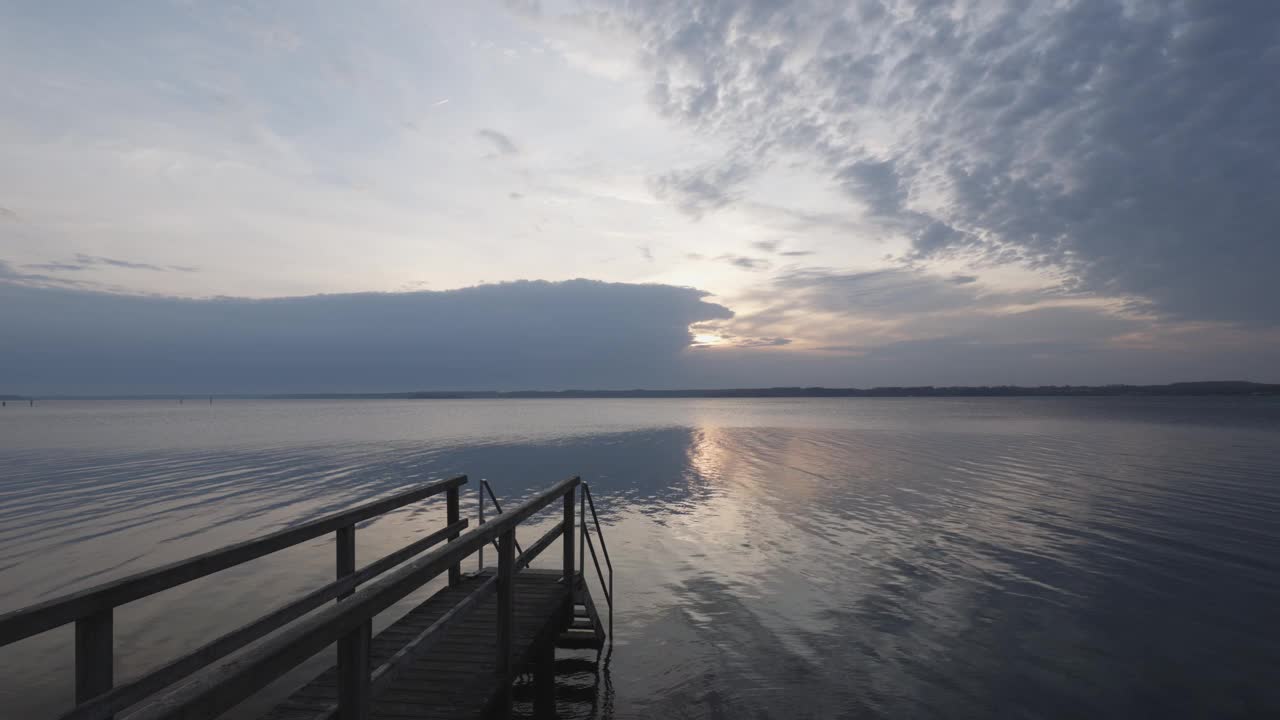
{"x": 607, "y": 588}
{"x": 123, "y": 696}
{"x": 92, "y": 610}
{"x": 38, "y": 618}
{"x": 484, "y": 484}
{"x": 219, "y": 688}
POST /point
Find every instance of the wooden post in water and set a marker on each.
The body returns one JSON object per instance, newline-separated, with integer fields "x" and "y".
{"x": 94, "y": 661}
{"x": 453, "y": 514}
{"x": 506, "y": 619}
{"x": 544, "y": 682}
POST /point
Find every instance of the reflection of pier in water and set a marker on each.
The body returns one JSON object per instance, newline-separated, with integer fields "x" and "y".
{"x": 470, "y": 650}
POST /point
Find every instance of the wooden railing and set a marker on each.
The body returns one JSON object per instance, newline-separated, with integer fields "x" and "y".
{"x": 349, "y": 623}
{"x": 92, "y": 610}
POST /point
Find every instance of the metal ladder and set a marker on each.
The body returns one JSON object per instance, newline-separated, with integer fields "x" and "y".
{"x": 586, "y": 630}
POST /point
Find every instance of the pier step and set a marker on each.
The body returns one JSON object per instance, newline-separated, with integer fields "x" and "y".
{"x": 578, "y": 639}
{"x": 585, "y": 630}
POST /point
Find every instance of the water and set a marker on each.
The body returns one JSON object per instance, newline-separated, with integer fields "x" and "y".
{"x": 1014, "y": 557}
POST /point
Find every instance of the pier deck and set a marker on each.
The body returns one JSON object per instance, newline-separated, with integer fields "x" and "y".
{"x": 458, "y": 678}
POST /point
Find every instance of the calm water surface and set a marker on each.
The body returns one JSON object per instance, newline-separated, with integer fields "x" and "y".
{"x": 1012, "y": 557}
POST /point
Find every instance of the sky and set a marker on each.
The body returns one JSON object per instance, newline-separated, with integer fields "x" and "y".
{"x": 381, "y": 196}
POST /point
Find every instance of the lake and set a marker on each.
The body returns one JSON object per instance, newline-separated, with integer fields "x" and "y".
{"x": 899, "y": 557}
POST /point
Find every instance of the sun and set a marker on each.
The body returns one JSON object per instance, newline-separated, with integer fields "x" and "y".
{"x": 707, "y": 339}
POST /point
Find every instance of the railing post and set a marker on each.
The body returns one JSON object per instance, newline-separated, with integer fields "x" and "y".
{"x": 568, "y": 536}
{"x": 353, "y": 649}
{"x": 480, "y": 552}
{"x": 453, "y": 515}
{"x": 355, "y": 697}
{"x": 544, "y": 682}
{"x": 346, "y": 555}
{"x": 506, "y": 618}
{"x": 94, "y": 659}
{"x": 582, "y": 538}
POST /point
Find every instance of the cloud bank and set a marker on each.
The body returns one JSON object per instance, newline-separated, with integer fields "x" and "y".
{"x": 858, "y": 329}
{"x": 528, "y": 334}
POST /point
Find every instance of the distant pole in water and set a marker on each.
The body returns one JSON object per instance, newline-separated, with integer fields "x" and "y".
{"x": 33, "y": 402}
{"x": 179, "y": 401}
{"x": 210, "y": 399}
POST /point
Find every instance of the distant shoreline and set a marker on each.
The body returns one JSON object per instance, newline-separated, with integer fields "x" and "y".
{"x": 1219, "y": 388}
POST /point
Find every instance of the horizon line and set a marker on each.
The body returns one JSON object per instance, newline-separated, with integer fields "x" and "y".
{"x": 1179, "y": 387}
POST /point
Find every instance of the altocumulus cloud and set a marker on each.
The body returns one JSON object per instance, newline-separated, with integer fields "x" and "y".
{"x": 1130, "y": 145}
{"x": 527, "y": 334}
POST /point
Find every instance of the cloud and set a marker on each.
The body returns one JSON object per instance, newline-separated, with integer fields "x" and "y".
{"x": 875, "y": 182}
{"x": 577, "y": 333}
{"x": 888, "y": 293}
{"x": 746, "y": 263}
{"x": 84, "y": 262}
{"x": 1129, "y": 146}
{"x": 761, "y": 342}
{"x": 56, "y": 266}
{"x": 775, "y": 247}
{"x": 858, "y": 312}
{"x": 10, "y": 276}
{"x": 700, "y": 190}
{"x": 503, "y": 144}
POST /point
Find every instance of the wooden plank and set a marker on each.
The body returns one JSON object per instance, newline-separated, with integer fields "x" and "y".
{"x": 59, "y": 611}
{"x": 433, "y": 633}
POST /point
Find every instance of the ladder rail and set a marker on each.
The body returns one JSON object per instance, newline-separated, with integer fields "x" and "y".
{"x": 606, "y": 585}
{"x": 496, "y": 506}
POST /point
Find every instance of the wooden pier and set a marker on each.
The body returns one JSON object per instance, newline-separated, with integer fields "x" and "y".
{"x": 453, "y": 656}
